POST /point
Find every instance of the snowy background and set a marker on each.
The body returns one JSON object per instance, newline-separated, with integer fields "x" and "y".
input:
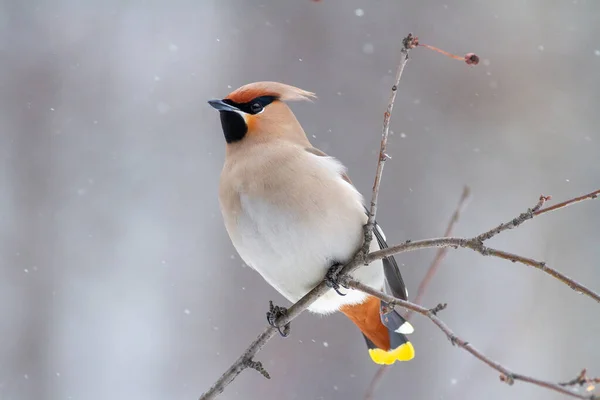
{"x": 117, "y": 278}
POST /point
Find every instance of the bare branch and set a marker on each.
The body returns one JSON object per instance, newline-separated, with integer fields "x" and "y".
{"x": 527, "y": 215}
{"x": 407, "y": 44}
{"x": 506, "y": 375}
{"x": 533, "y": 212}
{"x": 476, "y": 244}
{"x": 589, "y": 196}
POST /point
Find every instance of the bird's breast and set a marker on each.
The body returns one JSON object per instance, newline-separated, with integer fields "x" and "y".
{"x": 292, "y": 218}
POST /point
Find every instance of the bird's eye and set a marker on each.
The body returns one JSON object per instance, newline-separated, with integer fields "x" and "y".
{"x": 256, "y": 107}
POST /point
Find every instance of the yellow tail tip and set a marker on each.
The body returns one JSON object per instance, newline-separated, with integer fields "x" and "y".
{"x": 404, "y": 352}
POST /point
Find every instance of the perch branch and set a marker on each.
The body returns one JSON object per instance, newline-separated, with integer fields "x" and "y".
{"x": 506, "y": 375}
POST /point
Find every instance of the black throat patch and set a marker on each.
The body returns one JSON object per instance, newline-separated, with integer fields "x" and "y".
{"x": 234, "y": 126}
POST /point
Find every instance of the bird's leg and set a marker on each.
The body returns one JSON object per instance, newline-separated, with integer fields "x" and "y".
{"x": 273, "y": 314}
{"x": 331, "y": 278}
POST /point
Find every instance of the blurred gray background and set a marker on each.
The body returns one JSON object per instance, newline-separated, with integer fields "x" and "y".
{"x": 117, "y": 278}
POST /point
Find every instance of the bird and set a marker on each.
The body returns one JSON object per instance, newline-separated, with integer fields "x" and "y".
{"x": 294, "y": 216}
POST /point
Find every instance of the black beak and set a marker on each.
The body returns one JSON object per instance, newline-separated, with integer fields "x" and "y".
{"x": 221, "y": 105}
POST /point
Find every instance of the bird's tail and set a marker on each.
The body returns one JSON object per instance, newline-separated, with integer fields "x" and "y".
{"x": 384, "y": 330}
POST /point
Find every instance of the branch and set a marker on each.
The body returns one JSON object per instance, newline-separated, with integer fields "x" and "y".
{"x": 589, "y": 196}
{"x": 506, "y": 375}
{"x": 407, "y": 44}
{"x": 246, "y": 359}
{"x": 533, "y": 212}
{"x": 476, "y": 244}
{"x": 527, "y": 215}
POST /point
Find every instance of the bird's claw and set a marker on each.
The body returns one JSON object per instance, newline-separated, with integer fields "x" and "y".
{"x": 331, "y": 279}
{"x": 273, "y": 314}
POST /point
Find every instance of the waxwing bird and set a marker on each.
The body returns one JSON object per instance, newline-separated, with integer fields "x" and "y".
{"x": 294, "y": 216}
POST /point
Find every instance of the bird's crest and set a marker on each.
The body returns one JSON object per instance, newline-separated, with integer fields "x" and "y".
{"x": 281, "y": 91}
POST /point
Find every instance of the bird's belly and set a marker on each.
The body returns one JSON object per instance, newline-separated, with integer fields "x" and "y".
{"x": 293, "y": 250}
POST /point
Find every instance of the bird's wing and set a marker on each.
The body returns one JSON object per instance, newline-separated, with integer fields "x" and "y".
{"x": 390, "y": 267}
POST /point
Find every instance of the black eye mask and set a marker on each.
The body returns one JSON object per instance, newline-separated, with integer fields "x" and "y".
{"x": 252, "y": 107}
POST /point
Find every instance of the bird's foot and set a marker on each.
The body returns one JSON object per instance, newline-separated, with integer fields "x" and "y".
{"x": 273, "y": 314}
{"x": 332, "y": 276}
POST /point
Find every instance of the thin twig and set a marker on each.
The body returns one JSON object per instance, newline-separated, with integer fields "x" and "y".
{"x": 515, "y": 222}
{"x": 533, "y": 212}
{"x": 589, "y": 196}
{"x": 475, "y": 245}
{"x": 506, "y": 375}
{"x": 387, "y": 116}
{"x": 433, "y": 268}
{"x": 246, "y": 360}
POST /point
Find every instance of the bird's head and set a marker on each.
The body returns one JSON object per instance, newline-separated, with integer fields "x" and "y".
{"x": 259, "y": 110}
